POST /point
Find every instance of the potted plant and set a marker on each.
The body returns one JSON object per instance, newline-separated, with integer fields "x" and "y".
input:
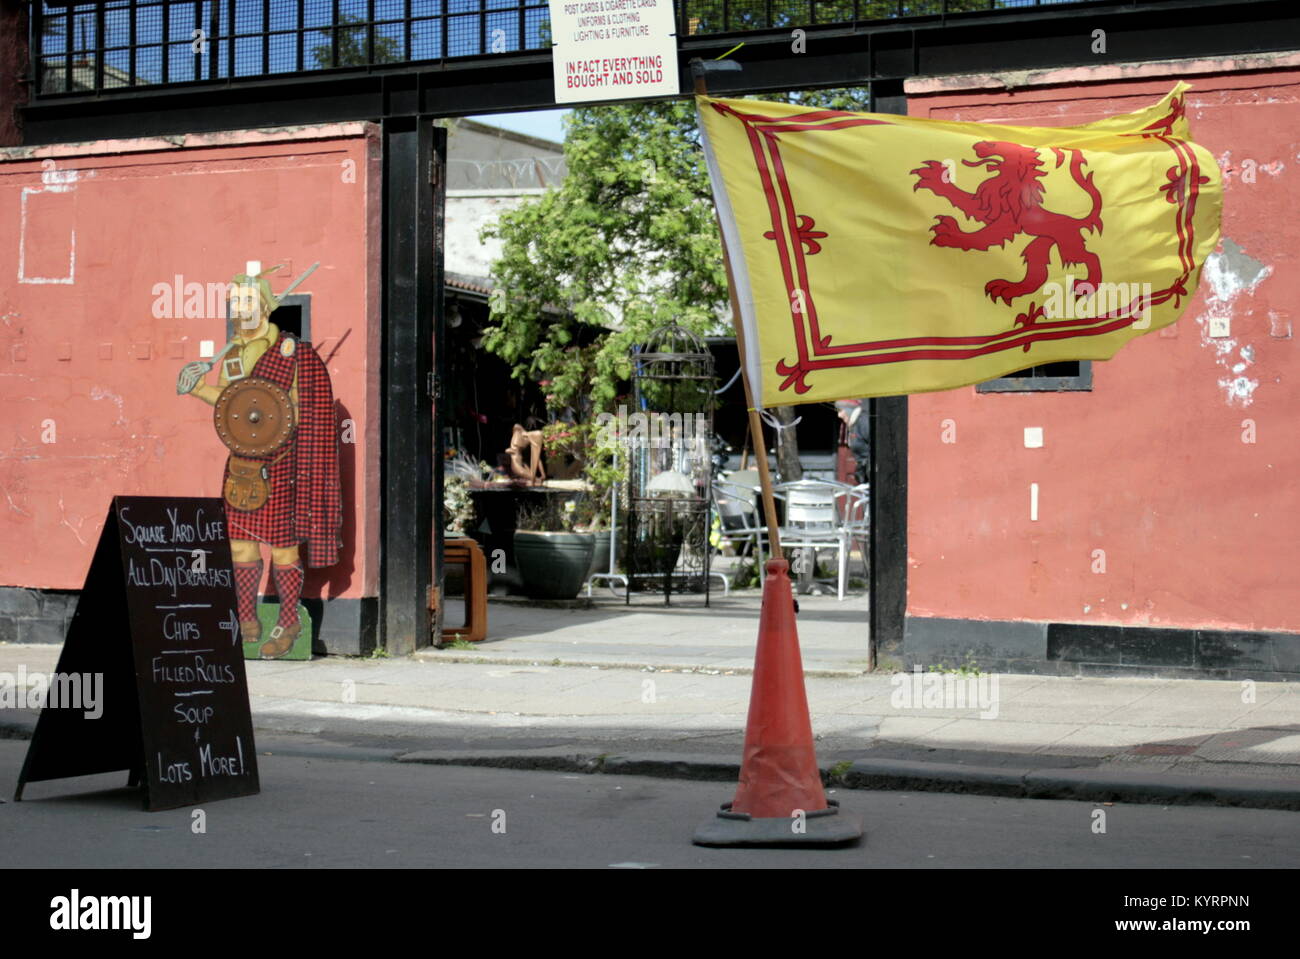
{"x": 552, "y": 554}
{"x": 460, "y": 476}
{"x": 594, "y": 452}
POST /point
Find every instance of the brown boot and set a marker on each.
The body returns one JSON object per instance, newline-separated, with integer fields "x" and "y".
{"x": 281, "y": 641}
{"x": 250, "y": 630}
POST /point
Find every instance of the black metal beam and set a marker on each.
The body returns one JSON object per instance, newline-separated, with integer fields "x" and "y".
{"x": 438, "y": 334}
{"x": 414, "y": 152}
{"x": 887, "y": 544}
{"x": 888, "y": 541}
{"x": 844, "y": 55}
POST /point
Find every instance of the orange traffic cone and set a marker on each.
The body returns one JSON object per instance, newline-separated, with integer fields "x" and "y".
{"x": 780, "y": 800}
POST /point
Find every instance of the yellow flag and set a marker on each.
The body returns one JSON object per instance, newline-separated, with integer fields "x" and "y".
{"x": 875, "y": 255}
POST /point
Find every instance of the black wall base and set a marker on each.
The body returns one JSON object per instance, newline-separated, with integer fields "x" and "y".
{"x": 344, "y": 627}
{"x": 1074, "y": 649}
{"x": 340, "y": 627}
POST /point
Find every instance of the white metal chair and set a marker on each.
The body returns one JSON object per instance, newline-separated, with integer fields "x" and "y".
{"x": 817, "y": 516}
{"x": 741, "y": 522}
{"x": 857, "y": 518}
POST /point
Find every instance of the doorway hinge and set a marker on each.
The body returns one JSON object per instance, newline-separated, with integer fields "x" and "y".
{"x": 435, "y": 387}
{"x": 431, "y": 597}
{"x": 433, "y": 173}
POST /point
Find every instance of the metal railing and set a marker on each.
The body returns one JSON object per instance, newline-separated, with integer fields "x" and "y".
{"x": 115, "y": 45}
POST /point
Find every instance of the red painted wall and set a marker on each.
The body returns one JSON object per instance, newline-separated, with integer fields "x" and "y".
{"x": 1198, "y": 527}
{"x": 88, "y": 371}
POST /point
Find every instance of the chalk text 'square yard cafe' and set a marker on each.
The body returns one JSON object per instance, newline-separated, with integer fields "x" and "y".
{"x": 1136, "y": 515}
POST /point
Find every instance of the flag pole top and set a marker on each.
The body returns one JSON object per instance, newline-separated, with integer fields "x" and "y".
{"x": 702, "y": 68}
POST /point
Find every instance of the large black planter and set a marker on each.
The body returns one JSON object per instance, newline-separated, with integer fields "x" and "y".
{"x": 599, "y": 554}
{"x": 553, "y": 565}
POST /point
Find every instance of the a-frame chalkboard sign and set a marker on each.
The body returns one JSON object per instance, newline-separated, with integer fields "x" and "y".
{"x": 156, "y": 621}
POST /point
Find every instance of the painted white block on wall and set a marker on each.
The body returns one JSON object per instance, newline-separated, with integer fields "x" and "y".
{"x": 46, "y": 229}
{"x": 1033, "y": 437}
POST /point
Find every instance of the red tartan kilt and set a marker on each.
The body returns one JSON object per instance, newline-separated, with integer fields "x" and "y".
{"x": 273, "y": 522}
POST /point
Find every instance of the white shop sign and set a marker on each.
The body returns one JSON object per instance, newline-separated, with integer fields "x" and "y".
{"x": 613, "y": 49}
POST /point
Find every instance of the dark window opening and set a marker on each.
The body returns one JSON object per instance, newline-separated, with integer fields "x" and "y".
{"x": 1066, "y": 375}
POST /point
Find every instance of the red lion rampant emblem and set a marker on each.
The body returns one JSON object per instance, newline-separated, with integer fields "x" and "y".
{"x": 1010, "y": 203}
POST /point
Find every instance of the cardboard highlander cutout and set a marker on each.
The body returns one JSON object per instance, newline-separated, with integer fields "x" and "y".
{"x": 274, "y": 410}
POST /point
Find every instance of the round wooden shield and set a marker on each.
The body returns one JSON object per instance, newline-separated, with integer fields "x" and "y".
{"x": 254, "y": 417}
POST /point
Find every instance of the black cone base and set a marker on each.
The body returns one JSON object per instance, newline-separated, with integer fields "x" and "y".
{"x": 826, "y": 827}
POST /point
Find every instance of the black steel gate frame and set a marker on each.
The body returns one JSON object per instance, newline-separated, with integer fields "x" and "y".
{"x": 406, "y": 98}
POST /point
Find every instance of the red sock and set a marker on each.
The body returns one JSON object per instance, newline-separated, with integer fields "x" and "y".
{"x": 288, "y": 584}
{"x": 248, "y": 576}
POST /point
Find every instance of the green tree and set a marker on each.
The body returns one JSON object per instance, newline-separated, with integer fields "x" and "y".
{"x": 628, "y": 242}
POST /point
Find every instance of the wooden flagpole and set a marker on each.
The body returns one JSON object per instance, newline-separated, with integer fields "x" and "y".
{"x": 755, "y": 423}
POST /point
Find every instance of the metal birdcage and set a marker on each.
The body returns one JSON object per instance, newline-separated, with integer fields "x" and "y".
{"x": 668, "y": 439}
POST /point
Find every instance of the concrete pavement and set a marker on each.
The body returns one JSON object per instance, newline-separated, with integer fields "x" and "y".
{"x": 682, "y": 635}
{"x": 646, "y": 690}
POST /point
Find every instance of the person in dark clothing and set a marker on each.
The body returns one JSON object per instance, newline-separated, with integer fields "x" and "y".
{"x": 857, "y": 435}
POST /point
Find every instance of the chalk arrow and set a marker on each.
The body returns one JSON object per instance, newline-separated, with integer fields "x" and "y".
{"x": 232, "y": 624}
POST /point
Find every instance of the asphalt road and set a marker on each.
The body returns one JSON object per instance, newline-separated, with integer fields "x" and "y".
{"x": 352, "y": 808}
